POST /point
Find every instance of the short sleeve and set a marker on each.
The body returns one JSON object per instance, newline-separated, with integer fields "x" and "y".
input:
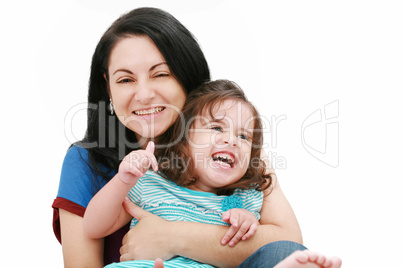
{"x": 252, "y": 200}
{"x": 135, "y": 193}
{"x": 76, "y": 180}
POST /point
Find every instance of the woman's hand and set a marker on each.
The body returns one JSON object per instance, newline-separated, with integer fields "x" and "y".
{"x": 243, "y": 225}
{"x": 136, "y": 163}
{"x": 149, "y": 239}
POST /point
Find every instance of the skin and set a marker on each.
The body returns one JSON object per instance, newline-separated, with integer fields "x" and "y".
{"x": 309, "y": 259}
{"x": 78, "y": 249}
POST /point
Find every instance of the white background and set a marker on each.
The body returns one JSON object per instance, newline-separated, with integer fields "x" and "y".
{"x": 291, "y": 57}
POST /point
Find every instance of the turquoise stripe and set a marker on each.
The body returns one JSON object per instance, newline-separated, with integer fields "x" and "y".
{"x": 173, "y": 263}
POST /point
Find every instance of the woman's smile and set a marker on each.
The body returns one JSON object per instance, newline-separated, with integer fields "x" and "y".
{"x": 149, "y": 111}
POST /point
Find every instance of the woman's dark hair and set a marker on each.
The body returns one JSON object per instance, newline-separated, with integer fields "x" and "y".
{"x": 106, "y": 139}
{"x": 175, "y": 161}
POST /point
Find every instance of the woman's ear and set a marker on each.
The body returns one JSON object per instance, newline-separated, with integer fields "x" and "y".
{"x": 107, "y": 84}
{"x": 107, "y": 81}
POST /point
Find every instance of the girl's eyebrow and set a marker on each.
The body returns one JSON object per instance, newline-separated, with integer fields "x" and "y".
{"x": 213, "y": 120}
{"x": 130, "y": 72}
{"x": 247, "y": 131}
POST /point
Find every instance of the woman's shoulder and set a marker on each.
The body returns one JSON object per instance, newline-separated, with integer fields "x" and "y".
{"x": 77, "y": 177}
{"x": 76, "y": 154}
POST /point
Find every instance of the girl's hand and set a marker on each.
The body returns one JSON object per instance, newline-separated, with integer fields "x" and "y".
{"x": 136, "y": 163}
{"x": 243, "y": 225}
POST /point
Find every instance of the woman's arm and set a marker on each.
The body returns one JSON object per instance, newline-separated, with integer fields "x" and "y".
{"x": 202, "y": 241}
{"x": 78, "y": 249}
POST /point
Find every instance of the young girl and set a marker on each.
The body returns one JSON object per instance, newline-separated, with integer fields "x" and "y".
{"x": 210, "y": 171}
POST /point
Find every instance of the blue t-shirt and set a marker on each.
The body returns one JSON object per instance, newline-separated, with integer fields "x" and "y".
{"x": 78, "y": 183}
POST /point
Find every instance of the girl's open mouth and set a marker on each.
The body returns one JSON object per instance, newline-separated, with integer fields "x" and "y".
{"x": 223, "y": 159}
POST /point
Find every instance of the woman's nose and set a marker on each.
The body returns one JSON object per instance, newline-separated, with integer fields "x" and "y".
{"x": 144, "y": 92}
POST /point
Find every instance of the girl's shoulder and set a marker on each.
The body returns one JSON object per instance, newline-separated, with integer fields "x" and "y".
{"x": 250, "y": 197}
{"x": 247, "y": 192}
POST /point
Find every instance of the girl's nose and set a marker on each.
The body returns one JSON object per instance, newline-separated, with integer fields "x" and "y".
{"x": 229, "y": 139}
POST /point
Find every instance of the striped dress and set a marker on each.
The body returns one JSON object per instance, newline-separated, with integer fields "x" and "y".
{"x": 175, "y": 203}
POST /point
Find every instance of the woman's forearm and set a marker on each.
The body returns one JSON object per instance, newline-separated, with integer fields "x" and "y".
{"x": 201, "y": 242}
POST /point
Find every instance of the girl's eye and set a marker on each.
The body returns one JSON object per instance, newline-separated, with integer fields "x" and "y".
{"x": 244, "y": 137}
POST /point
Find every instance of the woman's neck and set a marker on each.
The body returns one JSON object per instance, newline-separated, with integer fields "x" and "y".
{"x": 144, "y": 141}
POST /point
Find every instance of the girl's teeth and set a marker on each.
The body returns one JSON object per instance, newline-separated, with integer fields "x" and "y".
{"x": 223, "y": 160}
{"x": 223, "y": 163}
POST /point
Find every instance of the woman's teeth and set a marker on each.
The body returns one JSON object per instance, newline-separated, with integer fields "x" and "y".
{"x": 149, "y": 111}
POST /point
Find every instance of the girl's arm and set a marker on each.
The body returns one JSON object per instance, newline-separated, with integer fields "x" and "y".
{"x": 105, "y": 213}
{"x": 202, "y": 241}
{"x": 78, "y": 249}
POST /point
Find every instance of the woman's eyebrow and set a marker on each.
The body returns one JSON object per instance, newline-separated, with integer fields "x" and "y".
{"x": 130, "y": 72}
{"x": 156, "y": 65}
{"x": 123, "y": 70}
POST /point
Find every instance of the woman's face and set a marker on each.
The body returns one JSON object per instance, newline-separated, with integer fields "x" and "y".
{"x": 146, "y": 96}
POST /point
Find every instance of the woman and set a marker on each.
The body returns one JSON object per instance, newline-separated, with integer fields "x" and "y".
{"x": 142, "y": 69}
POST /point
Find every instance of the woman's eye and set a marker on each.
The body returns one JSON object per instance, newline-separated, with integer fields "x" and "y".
{"x": 161, "y": 75}
{"x": 217, "y": 128}
{"x": 125, "y": 80}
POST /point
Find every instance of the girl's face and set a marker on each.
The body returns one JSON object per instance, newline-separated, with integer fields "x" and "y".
{"x": 220, "y": 147}
{"x": 146, "y": 96}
